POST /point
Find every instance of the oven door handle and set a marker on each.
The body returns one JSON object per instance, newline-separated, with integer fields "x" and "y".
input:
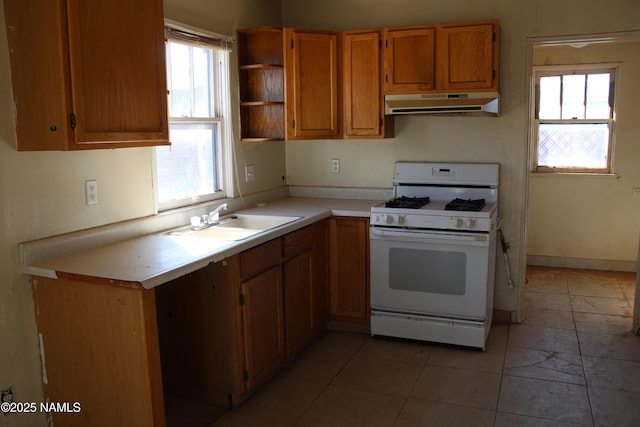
{"x": 431, "y": 237}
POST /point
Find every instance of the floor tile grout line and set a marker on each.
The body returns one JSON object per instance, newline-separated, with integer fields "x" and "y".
{"x": 326, "y": 386}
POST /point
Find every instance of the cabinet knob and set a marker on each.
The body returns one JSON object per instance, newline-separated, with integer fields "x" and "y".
{"x": 53, "y": 128}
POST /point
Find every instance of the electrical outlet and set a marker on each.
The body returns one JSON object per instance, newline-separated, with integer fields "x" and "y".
{"x": 249, "y": 173}
{"x": 335, "y": 165}
{"x": 635, "y": 191}
{"x": 91, "y": 191}
{"x": 6, "y": 396}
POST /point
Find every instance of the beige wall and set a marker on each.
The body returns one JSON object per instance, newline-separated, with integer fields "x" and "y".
{"x": 42, "y": 194}
{"x": 593, "y": 217}
{"x": 503, "y": 139}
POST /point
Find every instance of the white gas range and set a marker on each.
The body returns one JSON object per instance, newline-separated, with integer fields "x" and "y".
{"x": 433, "y": 253}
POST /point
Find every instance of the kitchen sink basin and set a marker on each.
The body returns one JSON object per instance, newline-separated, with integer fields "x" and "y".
{"x": 237, "y": 226}
{"x": 254, "y": 222}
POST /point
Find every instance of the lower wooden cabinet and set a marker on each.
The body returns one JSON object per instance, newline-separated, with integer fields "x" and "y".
{"x": 297, "y": 273}
{"x": 349, "y": 269}
{"x": 227, "y": 328}
{"x": 261, "y": 311}
{"x": 200, "y": 345}
{"x": 211, "y": 336}
{"x": 99, "y": 347}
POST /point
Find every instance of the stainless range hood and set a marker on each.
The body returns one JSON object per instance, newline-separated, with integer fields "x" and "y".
{"x": 485, "y": 103}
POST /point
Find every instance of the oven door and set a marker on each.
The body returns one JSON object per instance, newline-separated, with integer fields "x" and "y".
{"x": 433, "y": 273}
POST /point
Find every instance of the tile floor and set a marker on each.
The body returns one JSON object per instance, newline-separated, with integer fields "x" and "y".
{"x": 574, "y": 362}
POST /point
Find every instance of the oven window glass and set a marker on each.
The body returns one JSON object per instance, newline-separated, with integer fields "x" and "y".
{"x": 421, "y": 270}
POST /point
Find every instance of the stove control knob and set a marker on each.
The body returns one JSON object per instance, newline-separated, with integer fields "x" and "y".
{"x": 471, "y": 222}
{"x": 458, "y": 222}
{"x": 401, "y": 219}
{"x": 389, "y": 219}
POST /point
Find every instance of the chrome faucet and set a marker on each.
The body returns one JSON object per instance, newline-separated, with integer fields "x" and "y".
{"x": 214, "y": 216}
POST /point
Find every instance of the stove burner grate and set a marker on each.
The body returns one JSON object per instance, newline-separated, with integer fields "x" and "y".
{"x": 407, "y": 202}
{"x": 465, "y": 205}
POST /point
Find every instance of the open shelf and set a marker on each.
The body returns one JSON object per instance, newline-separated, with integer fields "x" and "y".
{"x": 261, "y": 78}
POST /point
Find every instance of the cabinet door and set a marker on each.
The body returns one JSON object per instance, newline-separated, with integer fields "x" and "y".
{"x": 39, "y": 73}
{"x": 362, "y": 84}
{"x": 117, "y": 57}
{"x": 311, "y": 67}
{"x": 409, "y": 59}
{"x": 468, "y": 57}
{"x": 263, "y": 326}
{"x": 349, "y": 268}
{"x": 320, "y": 291}
{"x": 297, "y": 278}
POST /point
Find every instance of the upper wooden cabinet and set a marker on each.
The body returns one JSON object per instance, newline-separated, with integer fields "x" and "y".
{"x": 288, "y": 84}
{"x": 311, "y": 63}
{"x": 444, "y": 57}
{"x": 468, "y": 56}
{"x": 261, "y": 67}
{"x": 87, "y": 74}
{"x": 363, "y": 113}
{"x": 409, "y": 59}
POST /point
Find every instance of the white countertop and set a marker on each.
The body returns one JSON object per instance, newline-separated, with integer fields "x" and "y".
{"x": 154, "y": 259}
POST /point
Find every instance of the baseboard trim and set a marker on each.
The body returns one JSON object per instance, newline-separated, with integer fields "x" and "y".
{"x": 582, "y": 263}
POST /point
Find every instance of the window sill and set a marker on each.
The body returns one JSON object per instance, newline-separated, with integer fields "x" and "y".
{"x": 574, "y": 174}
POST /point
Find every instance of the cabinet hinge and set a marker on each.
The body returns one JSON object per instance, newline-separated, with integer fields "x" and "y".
{"x": 72, "y": 121}
{"x": 381, "y": 122}
{"x": 386, "y": 43}
{"x": 293, "y": 124}
{"x": 241, "y": 299}
{"x": 291, "y": 44}
{"x": 245, "y": 375}
{"x": 494, "y": 37}
{"x": 493, "y": 74}
{"x": 380, "y": 44}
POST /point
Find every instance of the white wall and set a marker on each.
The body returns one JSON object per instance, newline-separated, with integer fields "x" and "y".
{"x": 593, "y": 220}
{"x": 42, "y": 193}
{"x": 502, "y": 139}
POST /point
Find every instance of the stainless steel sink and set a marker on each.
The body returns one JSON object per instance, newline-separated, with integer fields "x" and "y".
{"x": 237, "y": 227}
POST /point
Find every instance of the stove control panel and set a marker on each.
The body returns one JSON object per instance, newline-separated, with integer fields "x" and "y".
{"x": 465, "y": 223}
{"x": 389, "y": 219}
{"x": 436, "y": 222}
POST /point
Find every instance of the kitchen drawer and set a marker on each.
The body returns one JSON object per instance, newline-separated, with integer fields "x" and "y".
{"x": 260, "y": 258}
{"x": 297, "y": 242}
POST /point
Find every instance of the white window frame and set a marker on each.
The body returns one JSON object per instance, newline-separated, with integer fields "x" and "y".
{"x": 554, "y": 70}
{"x": 221, "y": 105}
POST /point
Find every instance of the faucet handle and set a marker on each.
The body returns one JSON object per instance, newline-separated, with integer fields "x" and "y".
{"x": 214, "y": 216}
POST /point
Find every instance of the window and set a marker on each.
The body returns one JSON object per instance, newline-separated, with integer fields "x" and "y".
{"x": 191, "y": 170}
{"x": 573, "y": 119}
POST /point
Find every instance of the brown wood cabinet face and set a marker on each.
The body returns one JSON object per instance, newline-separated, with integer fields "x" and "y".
{"x": 311, "y": 63}
{"x": 362, "y": 85}
{"x": 409, "y": 60}
{"x": 320, "y": 292}
{"x": 262, "y": 314}
{"x": 297, "y": 278}
{"x": 349, "y": 268}
{"x": 102, "y": 62}
{"x": 468, "y": 58}
{"x": 99, "y": 345}
{"x": 445, "y": 57}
